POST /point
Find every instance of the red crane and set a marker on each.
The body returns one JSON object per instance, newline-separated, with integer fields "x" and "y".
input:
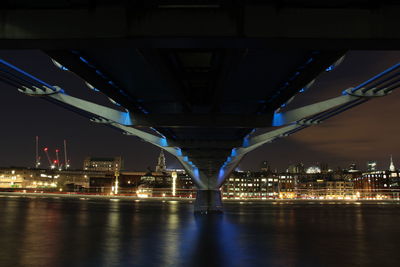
{"x": 46, "y": 150}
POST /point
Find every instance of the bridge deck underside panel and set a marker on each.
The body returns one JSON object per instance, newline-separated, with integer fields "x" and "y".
{"x": 197, "y": 81}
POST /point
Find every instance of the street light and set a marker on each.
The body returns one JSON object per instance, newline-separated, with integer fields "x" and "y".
{"x": 174, "y": 176}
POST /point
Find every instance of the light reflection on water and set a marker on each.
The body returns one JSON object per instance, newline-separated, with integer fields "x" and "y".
{"x": 68, "y": 232}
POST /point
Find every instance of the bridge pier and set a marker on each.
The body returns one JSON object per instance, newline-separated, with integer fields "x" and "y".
{"x": 208, "y": 201}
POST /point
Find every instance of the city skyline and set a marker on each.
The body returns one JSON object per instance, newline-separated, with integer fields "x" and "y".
{"x": 365, "y": 133}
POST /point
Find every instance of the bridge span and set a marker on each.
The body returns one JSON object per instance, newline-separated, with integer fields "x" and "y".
{"x": 206, "y": 121}
{"x": 197, "y": 79}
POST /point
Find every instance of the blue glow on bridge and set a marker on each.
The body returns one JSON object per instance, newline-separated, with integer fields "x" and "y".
{"x": 25, "y": 73}
{"x": 246, "y": 142}
{"x": 376, "y": 77}
{"x": 83, "y": 60}
{"x": 164, "y": 142}
{"x": 233, "y": 153}
{"x": 278, "y": 119}
{"x": 330, "y": 68}
{"x": 126, "y": 118}
{"x": 178, "y": 151}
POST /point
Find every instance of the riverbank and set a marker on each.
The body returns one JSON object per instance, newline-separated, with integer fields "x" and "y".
{"x": 73, "y": 195}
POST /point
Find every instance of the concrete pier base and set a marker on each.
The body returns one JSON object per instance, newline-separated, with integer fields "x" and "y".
{"x": 208, "y": 201}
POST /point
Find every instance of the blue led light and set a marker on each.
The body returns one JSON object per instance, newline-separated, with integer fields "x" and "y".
{"x": 163, "y": 142}
{"x": 112, "y": 84}
{"x": 376, "y": 77}
{"x": 330, "y": 68}
{"x": 246, "y": 142}
{"x": 101, "y": 74}
{"x": 25, "y": 73}
{"x": 126, "y": 118}
{"x": 221, "y": 174}
{"x": 196, "y": 172}
{"x": 278, "y": 119}
{"x": 178, "y": 152}
{"x": 83, "y": 60}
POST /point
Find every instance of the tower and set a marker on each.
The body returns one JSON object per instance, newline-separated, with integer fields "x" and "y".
{"x": 161, "y": 167}
{"x": 392, "y": 168}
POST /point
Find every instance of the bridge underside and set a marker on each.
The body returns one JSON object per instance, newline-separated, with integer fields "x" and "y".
{"x": 201, "y": 103}
{"x": 203, "y": 106}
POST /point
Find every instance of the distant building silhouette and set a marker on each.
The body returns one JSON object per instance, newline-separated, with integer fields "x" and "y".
{"x": 265, "y": 166}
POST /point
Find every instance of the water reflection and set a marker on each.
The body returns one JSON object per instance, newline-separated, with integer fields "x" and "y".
{"x": 208, "y": 241}
{"x": 67, "y": 232}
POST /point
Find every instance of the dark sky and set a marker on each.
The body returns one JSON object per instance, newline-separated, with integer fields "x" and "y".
{"x": 366, "y": 132}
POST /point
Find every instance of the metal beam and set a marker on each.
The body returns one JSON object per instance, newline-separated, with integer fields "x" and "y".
{"x": 291, "y": 24}
{"x": 290, "y": 116}
{"x": 380, "y": 85}
{"x": 300, "y": 77}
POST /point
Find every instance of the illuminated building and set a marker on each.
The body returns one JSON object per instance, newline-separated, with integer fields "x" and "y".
{"x": 296, "y": 168}
{"x": 161, "y": 165}
{"x": 287, "y": 185}
{"x": 339, "y": 189}
{"x": 313, "y": 169}
{"x": 25, "y": 178}
{"x": 102, "y": 164}
{"x": 251, "y": 185}
{"x": 392, "y": 168}
{"x": 372, "y": 166}
{"x": 353, "y": 168}
{"x": 384, "y": 183}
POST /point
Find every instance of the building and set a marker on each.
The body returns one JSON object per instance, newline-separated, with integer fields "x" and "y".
{"x": 265, "y": 166}
{"x": 339, "y": 189}
{"x": 43, "y": 179}
{"x": 161, "y": 165}
{"x": 392, "y": 168}
{"x": 102, "y": 164}
{"x": 251, "y": 185}
{"x": 287, "y": 185}
{"x": 296, "y": 168}
{"x": 372, "y": 166}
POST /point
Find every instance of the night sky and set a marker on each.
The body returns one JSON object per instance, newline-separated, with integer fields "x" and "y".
{"x": 367, "y": 132}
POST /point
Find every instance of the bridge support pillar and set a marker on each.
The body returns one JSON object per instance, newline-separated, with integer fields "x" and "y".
{"x": 208, "y": 201}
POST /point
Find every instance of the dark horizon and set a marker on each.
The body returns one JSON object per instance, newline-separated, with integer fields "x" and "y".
{"x": 365, "y": 133}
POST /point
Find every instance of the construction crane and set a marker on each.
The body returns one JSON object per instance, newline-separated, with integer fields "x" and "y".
{"x": 57, "y": 161}
{"x": 52, "y": 165}
{"x": 66, "y": 161}
{"x": 37, "y": 158}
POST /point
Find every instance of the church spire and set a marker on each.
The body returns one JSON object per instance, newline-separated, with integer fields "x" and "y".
{"x": 161, "y": 166}
{"x": 392, "y": 168}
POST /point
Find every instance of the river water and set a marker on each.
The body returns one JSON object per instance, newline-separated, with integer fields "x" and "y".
{"x": 88, "y": 232}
